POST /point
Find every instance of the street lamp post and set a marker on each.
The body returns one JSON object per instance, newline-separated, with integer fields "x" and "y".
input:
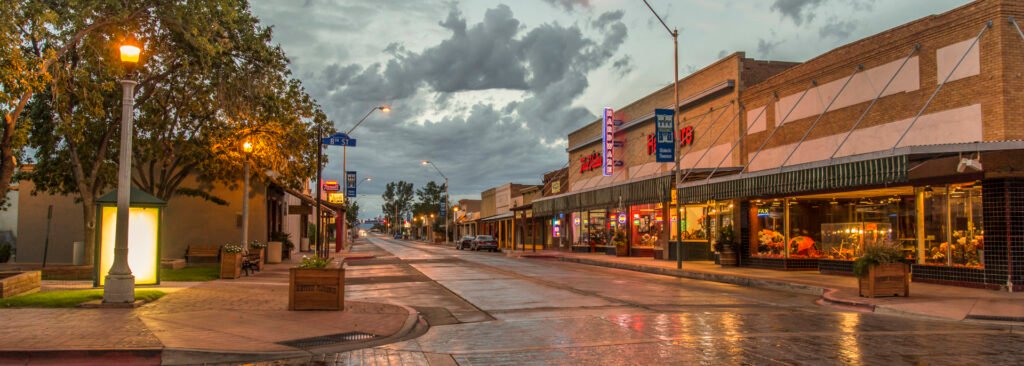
{"x": 446, "y": 197}
{"x": 675, "y": 124}
{"x": 247, "y": 149}
{"x": 344, "y": 149}
{"x": 120, "y": 283}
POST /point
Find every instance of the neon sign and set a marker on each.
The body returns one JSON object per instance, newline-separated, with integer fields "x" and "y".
{"x": 686, "y": 136}
{"x": 590, "y": 162}
{"x": 608, "y": 138}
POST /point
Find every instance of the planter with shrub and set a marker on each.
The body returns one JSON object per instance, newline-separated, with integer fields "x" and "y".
{"x": 880, "y": 271}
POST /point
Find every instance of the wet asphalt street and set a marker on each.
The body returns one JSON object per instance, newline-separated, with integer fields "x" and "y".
{"x": 489, "y": 309}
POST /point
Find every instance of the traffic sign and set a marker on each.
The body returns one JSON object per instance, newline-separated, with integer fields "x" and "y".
{"x": 339, "y": 139}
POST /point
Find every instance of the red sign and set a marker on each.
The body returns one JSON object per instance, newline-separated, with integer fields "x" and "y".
{"x": 590, "y": 162}
{"x": 652, "y": 144}
{"x": 331, "y": 186}
{"x": 686, "y": 136}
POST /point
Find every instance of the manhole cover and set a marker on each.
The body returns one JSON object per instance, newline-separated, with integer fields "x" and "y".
{"x": 328, "y": 340}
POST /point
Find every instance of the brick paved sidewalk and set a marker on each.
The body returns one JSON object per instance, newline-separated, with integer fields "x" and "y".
{"x": 925, "y": 299}
{"x": 222, "y": 320}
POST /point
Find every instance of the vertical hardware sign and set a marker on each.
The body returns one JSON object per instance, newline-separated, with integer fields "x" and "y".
{"x": 664, "y": 135}
{"x": 608, "y": 163}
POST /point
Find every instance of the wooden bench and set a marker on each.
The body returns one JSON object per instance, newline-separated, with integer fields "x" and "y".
{"x": 251, "y": 263}
{"x": 207, "y": 253}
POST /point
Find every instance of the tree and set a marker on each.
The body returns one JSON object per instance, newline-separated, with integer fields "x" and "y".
{"x": 210, "y": 80}
{"x": 352, "y": 213}
{"x": 430, "y": 199}
{"x": 397, "y": 202}
{"x": 35, "y": 39}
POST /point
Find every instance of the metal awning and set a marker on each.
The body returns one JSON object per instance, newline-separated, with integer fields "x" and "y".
{"x": 652, "y": 190}
{"x": 880, "y": 171}
{"x": 497, "y": 217}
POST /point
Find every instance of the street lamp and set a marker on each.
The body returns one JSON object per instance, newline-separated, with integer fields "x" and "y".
{"x": 247, "y": 150}
{"x": 120, "y": 283}
{"x": 676, "y": 113}
{"x": 446, "y": 197}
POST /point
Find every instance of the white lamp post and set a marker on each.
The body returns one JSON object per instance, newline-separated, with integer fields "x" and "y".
{"x": 247, "y": 149}
{"x": 119, "y": 286}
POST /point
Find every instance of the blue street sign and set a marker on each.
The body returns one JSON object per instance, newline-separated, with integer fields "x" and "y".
{"x": 339, "y": 139}
{"x": 350, "y": 184}
{"x": 665, "y": 137}
{"x": 443, "y": 212}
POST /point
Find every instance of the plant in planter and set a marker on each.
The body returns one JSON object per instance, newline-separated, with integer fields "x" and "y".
{"x": 316, "y": 285}
{"x": 260, "y": 248}
{"x": 880, "y": 271}
{"x": 726, "y": 246}
{"x": 286, "y": 243}
{"x": 231, "y": 261}
{"x": 619, "y": 241}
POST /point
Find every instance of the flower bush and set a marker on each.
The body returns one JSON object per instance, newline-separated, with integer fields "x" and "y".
{"x": 257, "y": 245}
{"x": 314, "y": 262}
{"x": 233, "y": 248}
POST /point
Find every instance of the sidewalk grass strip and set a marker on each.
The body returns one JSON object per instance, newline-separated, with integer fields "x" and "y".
{"x": 68, "y": 298}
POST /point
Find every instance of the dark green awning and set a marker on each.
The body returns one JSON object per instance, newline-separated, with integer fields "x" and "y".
{"x": 881, "y": 171}
{"x": 645, "y": 191}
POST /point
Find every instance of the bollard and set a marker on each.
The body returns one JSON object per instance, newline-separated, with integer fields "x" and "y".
{"x": 679, "y": 255}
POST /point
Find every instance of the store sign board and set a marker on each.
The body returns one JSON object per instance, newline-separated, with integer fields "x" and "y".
{"x": 608, "y": 141}
{"x": 665, "y": 146}
{"x": 590, "y": 162}
{"x": 350, "y": 184}
{"x": 331, "y": 186}
{"x": 686, "y": 136}
{"x": 556, "y": 186}
{"x": 335, "y": 197}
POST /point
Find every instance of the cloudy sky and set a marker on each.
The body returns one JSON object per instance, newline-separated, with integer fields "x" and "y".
{"x": 488, "y": 90}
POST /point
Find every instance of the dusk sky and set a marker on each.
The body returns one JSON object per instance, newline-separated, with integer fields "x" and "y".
{"x": 488, "y": 90}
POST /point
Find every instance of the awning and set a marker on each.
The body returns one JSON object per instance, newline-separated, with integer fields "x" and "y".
{"x": 651, "y": 190}
{"x": 871, "y": 172}
{"x": 497, "y": 217}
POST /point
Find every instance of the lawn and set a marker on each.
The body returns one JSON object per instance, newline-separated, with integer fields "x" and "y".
{"x": 190, "y": 274}
{"x": 68, "y": 298}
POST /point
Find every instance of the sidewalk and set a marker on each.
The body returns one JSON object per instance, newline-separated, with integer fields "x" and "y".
{"x": 221, "y": 321}
{"x": 930, "y": 300}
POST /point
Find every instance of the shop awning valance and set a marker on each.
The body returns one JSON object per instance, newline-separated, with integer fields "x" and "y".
{"x": 653, "y": 190}
{"x": 879, "y": 171}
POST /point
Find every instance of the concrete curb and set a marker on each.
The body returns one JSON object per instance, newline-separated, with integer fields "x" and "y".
{"x": 130, "y": 356}
{"x": 713, "y": 277}
{"x": 829, "y": 297}
{"x": 413, "y": 327}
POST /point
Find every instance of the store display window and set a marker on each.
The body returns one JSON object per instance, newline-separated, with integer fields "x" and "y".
{"x": 648, "y": 225}
{"x": 953, "y": 234}
{"x": 768, "y": 224}
{"x": 694, "y": 222}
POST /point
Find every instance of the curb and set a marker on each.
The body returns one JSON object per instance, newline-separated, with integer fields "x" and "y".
{"x": 131, "y": 356}
{"x": 829, "y": 297}
{"x": 414, "y": 326}
{"x": 712, "y": 277}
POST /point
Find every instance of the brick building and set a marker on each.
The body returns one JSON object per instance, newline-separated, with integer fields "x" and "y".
{"x": 908, "y": 137}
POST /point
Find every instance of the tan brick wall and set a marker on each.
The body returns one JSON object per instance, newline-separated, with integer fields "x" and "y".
{"x": 997, "y": 89}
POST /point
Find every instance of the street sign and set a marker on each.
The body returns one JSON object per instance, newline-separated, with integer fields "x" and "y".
{"x": 665, "y": 136}
{"x": 350, "y": 184}
{"x": 331, "y": 186}
{"x": 442, "y": 212}
{"x": 339, "y": 139}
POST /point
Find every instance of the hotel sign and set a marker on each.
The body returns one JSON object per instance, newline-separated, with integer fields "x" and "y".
{"x": 608, "y": 141}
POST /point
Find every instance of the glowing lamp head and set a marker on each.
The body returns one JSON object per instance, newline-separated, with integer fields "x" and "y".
{"x": 425, "y": 162}
{"x": 385, "y": 108}
{"x": 247, "y": 147}
{"x": 130, "y": 51}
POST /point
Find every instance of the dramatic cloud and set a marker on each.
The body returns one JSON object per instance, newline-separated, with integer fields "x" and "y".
{"x": 797, "y": 10}
{"x": 838, "y": 29}
{"x": 766, "y": 48}
{"x": 569, "y": 4}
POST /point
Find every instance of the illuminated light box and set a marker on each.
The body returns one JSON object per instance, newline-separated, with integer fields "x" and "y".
{"x": 144, "y": 228}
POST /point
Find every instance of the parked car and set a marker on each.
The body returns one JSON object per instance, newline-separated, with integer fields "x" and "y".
{"x": 465, "y": 243}
{"x": 484, "y": 242}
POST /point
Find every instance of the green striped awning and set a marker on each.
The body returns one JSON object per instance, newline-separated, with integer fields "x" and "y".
{"x": 652, "y": 190}
{"x": 881, "y": 171}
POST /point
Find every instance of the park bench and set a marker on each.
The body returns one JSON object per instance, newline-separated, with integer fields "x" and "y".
{"x": 205, "y": 253}
{"x": 251, "y": 262}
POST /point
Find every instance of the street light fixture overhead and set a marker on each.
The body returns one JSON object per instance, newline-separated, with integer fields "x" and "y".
{"x": 385, "y": 108}
{"x": 130, "y": 52}
{"x": 247, "y": 147}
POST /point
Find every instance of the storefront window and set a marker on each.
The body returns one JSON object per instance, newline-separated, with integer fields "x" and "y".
{"x": 694, "y": 221}
{"x": 719, "y": 217}
{"x": 648, "y": 225}
{"x": 596, "y": 224}
{"x": 953, "y": 234}
{"x": 768, "y": 224}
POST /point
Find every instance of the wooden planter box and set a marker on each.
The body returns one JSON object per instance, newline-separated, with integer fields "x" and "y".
{"x": 316, "y": 289}
{"x": 230, "y": 265}
{"x": 886, "y": 280}
{"x": 17, "y": 283}
{"x": 622, "y": 250}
